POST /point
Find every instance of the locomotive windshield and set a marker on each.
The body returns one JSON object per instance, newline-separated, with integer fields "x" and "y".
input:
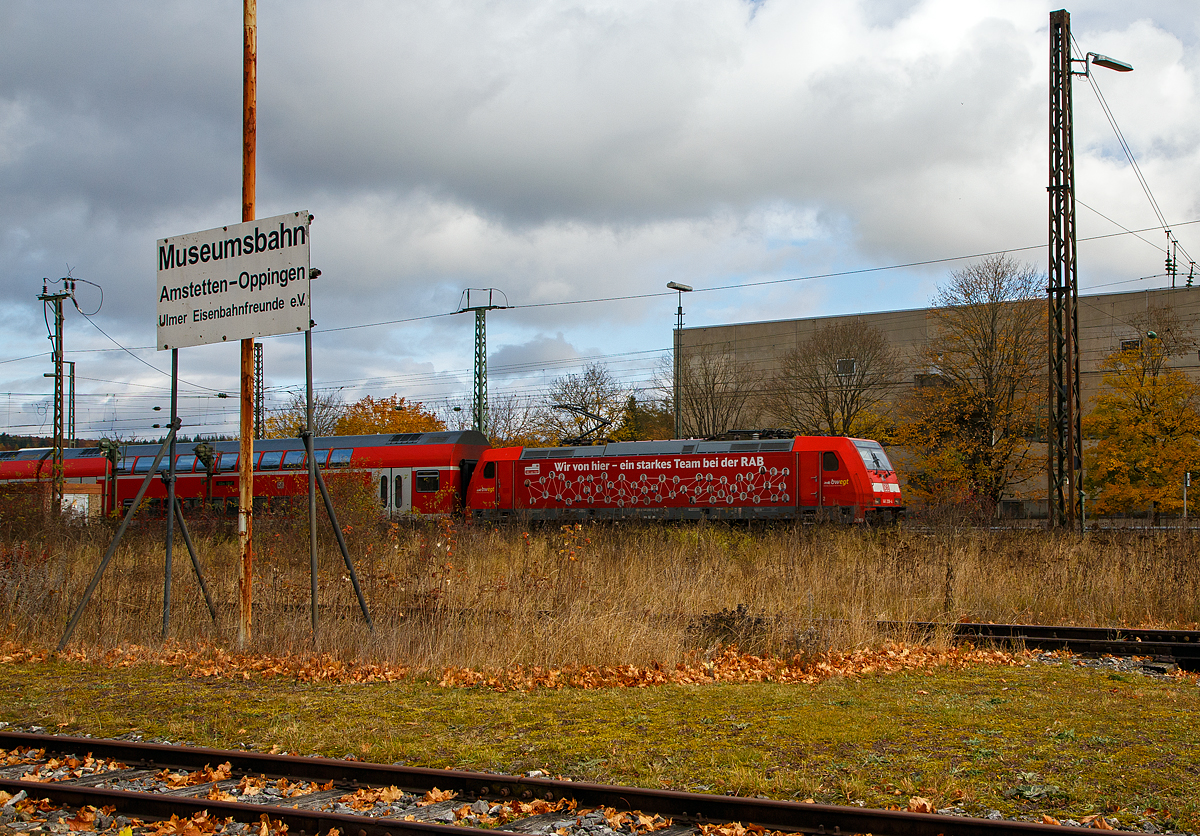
{"x": 873, "y": 456}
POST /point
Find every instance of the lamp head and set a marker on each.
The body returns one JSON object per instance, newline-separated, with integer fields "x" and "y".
{"x": 682, "y": 288}
{"x": 1110, "y": 63}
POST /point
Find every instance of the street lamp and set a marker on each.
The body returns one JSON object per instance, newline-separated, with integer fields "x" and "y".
{"x": 1108, "y": 63}
{"x": 682, "y": 289}
{"x": 1065, "y": 437}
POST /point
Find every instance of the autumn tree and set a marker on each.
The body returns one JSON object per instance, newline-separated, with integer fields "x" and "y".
{"x": 717, "y": 392}
{"x": 289, "y": 420}
{"x": 969, "y": 425}
{"x": 1143, "y": 424}
{"x": 595, "y": 391}
{"x": 387, "y": 415}
{"x": 832, "y": 382}
{"x": 645, "y": 419}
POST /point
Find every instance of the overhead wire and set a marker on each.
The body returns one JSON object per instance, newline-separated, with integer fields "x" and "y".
{"x": 570, "y": 362}
{"x": 1125, "y": 147}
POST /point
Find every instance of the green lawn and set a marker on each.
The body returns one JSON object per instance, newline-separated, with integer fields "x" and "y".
{"x": 1060, "y": 740}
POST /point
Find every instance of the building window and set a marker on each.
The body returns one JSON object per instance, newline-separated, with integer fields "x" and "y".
{"x": 845, "y": 367}
{"x": 1131, "y": 345}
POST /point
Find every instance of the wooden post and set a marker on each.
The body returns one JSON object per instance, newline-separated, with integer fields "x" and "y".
{"x": 246, "y": 449}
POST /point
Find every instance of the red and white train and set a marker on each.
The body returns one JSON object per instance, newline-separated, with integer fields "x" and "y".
{"x": 803, "y": 478}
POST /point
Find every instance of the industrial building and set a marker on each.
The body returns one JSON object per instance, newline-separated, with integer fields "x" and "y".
{"x": 1107, "y": 322}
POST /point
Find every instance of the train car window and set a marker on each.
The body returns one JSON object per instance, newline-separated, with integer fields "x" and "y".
{"x": 125, "y": 465}
{"x": 228, "y": 461}
{"x": 340, "y": 458}
{"x": 829, "y": 462}
{"x": 399, "y": 503}
{"x": 270, "y": 460}
{"x": 489, "y": 470}
{"x": 383, "y": 480}
{"x": 426, "y": 481}
{"x": 143, "y": 464}
{"x": 321, "y": 457}
{"x": 185, "y": 464}
{"x": 293, "y": 460}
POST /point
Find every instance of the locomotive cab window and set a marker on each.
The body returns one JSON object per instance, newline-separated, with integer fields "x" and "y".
{"x": 873, "y": 456}
{"x": 829, "y": 462}
{"x": 426, "y": 481}
{"x": 340, "y": 458}
{"x": 270, "y": 460}
{"x": 489, "y": 470}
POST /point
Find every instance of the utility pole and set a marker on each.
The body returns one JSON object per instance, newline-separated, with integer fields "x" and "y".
{"x": 479, "y": 390}
{"x": 677, "y": 387}
{"x": 71, "y": 404}
{"x": 56, "y": 341}
{"x": 1064, "y": 437}
{"x": 246, "y": 423}
{"x": 258, "y": 390}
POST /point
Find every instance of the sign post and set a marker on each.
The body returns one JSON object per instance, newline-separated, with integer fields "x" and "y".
{"x": 246, "y": 454}
{"x": 234, "y": 283}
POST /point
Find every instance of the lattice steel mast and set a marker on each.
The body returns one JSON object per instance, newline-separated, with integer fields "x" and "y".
{"x": 1064, "y": 436}
{"x": 479, "y": 390}
{"x": 1064, "y": 439}
{"x": 55, "y": 300}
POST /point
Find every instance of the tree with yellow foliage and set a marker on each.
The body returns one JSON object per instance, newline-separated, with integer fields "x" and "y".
{"x": 289, "y": 420}
{"x": 1143, "y": 426}
{"x": 969, "y": 421}
{"x": 387, "y": 415}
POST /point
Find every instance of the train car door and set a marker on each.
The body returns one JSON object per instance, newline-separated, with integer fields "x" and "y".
{"x": 810, "y": 478}
{"x": 395, "y": 490}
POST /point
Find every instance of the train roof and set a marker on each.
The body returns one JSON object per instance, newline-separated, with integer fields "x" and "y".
{"x": 677, "y": 447}
{"x": 463, "y": 437}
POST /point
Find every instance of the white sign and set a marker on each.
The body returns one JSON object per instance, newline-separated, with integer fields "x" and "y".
{"x": 234, "y": 282}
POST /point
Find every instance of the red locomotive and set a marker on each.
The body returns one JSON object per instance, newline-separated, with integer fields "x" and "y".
{"x": 802, "y": 477}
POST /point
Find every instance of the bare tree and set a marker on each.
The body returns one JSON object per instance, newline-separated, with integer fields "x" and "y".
{"x": 288, "y": 420}
{"x": 717, "y": 392}
{"x": 971, "y": 432}
{"x": 516, "y": 420}
{"x": 830, "y": 383}
{"x": 594, "y": 390}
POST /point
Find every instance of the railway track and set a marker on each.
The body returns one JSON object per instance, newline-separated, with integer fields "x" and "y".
{"x": 139, "y": 781}
{"x": 1180, "y": 646}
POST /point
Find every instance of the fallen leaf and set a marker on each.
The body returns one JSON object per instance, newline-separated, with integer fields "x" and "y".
{"x": 916, "y": 804}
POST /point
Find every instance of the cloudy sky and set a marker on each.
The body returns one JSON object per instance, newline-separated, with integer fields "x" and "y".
{"x": 562, "y": 152}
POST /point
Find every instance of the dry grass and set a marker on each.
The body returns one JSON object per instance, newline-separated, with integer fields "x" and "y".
{"x": 445, "y": 593}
